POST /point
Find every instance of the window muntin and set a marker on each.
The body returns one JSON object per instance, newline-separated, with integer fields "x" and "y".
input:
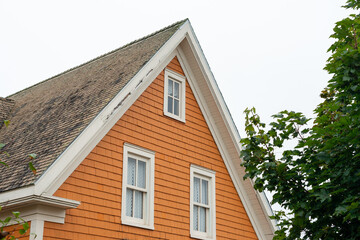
{"x": 174, "y": 95}
{"x": 202, "y": 203}
{"x": 138, "y": 187}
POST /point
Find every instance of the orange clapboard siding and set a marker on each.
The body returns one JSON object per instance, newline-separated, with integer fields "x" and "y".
{"x": 97, "y": 181}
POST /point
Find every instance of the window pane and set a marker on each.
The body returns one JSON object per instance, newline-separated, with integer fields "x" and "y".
{"x": 176, "y": 107}
{"x": 202, "y": 219}
{"x": 196, "y": 218}
{"x": 176, "y": 90}
{"x": 170, "y": 88}
{"x": 204, "y": 192}
{"x": 170, "y": 105}
{"x": 141, "y": 182}
{"x": 196, "y": 189}
{"x": 138, "y": 209}
{"x": 129, "y": 202}
{"x": 131, "y": 171}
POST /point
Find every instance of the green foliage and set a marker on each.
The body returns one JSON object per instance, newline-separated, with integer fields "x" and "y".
{"x": 318, "y": 180}
{"x": 20, "y": 226}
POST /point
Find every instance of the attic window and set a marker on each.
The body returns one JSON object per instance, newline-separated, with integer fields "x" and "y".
{"x": 174, "y": 95}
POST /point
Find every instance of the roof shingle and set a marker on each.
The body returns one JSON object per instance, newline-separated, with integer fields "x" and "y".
{"x": 6, "y": 106}
{"x": 47, "y": 117}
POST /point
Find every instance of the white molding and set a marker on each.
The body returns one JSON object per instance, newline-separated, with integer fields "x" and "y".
{"x": 202, "y": 170}
{"x": 211, "y": 223}
{"x": 45, "y": 208}
{"x": 174, "y": 76}
{"x": 149, "y": 157}
{"x": 37, "y": 210}
{"x": 17, "y": 193}
{"x": 57, "y": 202}
{"x": 139, "y": 150}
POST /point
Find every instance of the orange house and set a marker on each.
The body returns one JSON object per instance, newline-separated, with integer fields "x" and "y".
{"x": 135, "y": 144}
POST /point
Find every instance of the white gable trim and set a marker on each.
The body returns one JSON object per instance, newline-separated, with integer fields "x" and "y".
{"x": 68, "y": 161}
{"x": 232, "y": 162}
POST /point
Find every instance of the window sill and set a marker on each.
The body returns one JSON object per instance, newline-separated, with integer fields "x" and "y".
{"x": 200, "y": 236}
{"x": 174, "y": 117}
{"x": 137, "y": 224}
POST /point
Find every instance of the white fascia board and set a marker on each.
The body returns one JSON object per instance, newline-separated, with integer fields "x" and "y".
{"x": 71, "y": 158}
{"x": 38, "y": 209}
{"x": 205, "y": 67}
{"x": 58, "y": 202}
{"x": 230, "y": 161}
{"x": 216, "y": 133}
{"x": 17, "y": 193}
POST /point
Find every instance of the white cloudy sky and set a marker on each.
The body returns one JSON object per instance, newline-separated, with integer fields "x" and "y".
{"x": 264, "y": 53}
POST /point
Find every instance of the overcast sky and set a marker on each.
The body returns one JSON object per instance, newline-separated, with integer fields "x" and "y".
{"x": 264, "y": 53}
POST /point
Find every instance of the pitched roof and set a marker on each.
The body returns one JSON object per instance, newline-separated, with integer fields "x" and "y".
{"x": 47, "y": 117}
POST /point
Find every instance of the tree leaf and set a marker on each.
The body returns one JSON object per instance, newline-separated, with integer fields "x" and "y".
{"x": 16, "y": 214}
{"x": 6, "y": 123}
{"x": 32, "y": 168}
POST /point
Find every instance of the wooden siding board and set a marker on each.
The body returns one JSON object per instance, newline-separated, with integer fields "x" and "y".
{"x": 97, "y": 181}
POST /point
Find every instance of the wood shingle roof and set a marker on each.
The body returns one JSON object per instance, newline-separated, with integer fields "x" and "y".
{"x": 47, "y": 117}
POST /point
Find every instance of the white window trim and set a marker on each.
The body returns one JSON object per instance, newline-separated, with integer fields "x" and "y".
{"x": 181, "y": 79}
{"x": 210, "y": 175}
{"x": 149, "y": 156}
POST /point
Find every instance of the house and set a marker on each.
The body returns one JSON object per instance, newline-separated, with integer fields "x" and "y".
{"x": 135, "y": 144}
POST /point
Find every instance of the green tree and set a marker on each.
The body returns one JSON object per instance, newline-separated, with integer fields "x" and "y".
{"x": 317, "y": 181}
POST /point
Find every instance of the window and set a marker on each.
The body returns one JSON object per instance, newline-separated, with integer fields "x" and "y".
{"x": 202, "y": 203}
{"x": 174, "y": 95}
{"x": 137, "y": 208}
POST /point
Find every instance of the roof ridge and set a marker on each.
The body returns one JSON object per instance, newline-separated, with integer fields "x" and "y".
{"x": 103, "y": 55}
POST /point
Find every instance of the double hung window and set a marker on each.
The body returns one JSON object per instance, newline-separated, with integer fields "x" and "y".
{"x": 138, "y": 187}
{"x": 202, "y": 203}
{"x": 174, "y": 95}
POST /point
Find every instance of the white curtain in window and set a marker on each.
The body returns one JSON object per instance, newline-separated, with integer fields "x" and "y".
{"x": 204, "y": 192}
{"x": 202, "y": 219}
{"x": 196, "y": 218}
{"x": 138, "y": 205}
{"x": 196, "y": 189}
{"x": 129, "y": 202}
{"x": 141, "y": 181}
{"x": 131, "y": 171}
